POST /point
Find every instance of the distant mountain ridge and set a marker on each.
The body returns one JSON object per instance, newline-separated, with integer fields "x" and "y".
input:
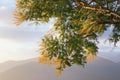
{"x": 11, "y": 64}
{"x": 99, "y": 69}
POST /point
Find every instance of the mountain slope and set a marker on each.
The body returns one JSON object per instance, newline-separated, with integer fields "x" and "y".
{"x": 11, "y": 64}
{"x": 29, "y": 71}
{"x": 99, "y": 69}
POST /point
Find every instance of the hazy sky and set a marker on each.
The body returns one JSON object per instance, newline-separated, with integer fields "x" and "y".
{"x": 17, "y": 43}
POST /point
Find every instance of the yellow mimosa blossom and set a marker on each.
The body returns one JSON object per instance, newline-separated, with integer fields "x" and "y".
{"x": 57, "y": 61}
{"x": 58, "y": 72}
{"x": 42, "y": 44}
{"x": 45, "y": 54}
{"x": 44, "y": 58}
{"x": 90, "y": 57}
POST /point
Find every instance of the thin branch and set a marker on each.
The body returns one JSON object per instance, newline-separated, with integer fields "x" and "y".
{"x": 115, "y": 7}
{"x": 106, "y": 3}
{"x": 90, "y": 2}
{"x": 98, "y": 9}
{"x": 108, "y": 22}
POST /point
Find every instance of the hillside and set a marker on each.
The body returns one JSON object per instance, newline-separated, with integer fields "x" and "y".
{"x": 11, "y": 64}
{"x": 99, "y": 69}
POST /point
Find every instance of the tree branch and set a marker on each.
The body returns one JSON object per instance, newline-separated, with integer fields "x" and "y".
{"x": 98, "y": 9}
{"x": 108, "y": 22}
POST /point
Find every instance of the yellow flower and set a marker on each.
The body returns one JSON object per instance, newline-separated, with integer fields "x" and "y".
{"x": 45, "y": 54}
{"x": 57, "y": 61}
{"x": 44, "y": 58}
{"x": 58, "y": 72}
{"x": 42, "y": 44}
{"x": 90, "y": 57}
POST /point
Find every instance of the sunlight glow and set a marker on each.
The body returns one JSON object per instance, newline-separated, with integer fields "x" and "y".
{"x": 6, "y": 47}
{"x": 11, "y": 49}
{"x": 2, "y": 7}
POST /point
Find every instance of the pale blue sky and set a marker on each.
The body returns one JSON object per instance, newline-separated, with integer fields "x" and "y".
{"x": 18, "y": 43}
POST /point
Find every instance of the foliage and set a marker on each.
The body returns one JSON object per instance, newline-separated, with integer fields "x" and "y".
{"x": 78, "y": 25}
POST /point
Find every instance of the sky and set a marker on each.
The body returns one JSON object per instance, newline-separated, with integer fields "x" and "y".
{"x": 22, "y": 42}
{"x": 18, "y": 42}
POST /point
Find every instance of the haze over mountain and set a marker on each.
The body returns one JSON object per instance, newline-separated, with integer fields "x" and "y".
{"x": 11, "y": 64}
{"x": 99, "y": 69}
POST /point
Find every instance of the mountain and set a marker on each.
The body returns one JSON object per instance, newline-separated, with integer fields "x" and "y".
{"x": 29, "y": 71}
{"x": 99, "y": 69}
{"x": 7, "y": 65}
{"x": 11, "y": 64}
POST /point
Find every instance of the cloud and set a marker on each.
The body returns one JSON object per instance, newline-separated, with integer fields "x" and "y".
{"x": 7, "y": 8}
{"x": 17, "y": 34}
{"x": 18, "y": 42}
{"x": 25, "y": 33}
{"x": 6, "y": 2}
{"x": 109, "y": 51}
{"x": 2, "y": 7}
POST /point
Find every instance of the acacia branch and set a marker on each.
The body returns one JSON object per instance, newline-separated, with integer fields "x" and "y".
{"x": 98, "y": 9}
{"x": 108, "y": 22}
